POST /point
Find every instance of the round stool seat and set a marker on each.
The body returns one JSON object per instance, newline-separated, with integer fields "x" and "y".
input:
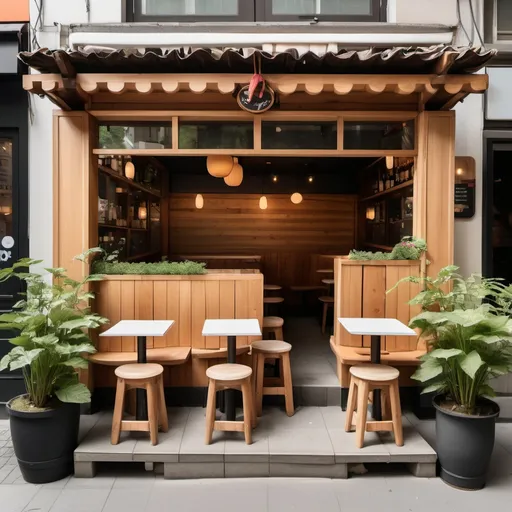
{"x": 228, "y": 372}
{"x": 271, "y": 346}
{"x": 326, "y": 299}
{"x": 272, "y": 321}
{"x": 375, "y": 372}
{"x": 139, "y": 371}
{"x": 328, "y": 281}
{"x": 325, "y": 270}
{"x": 272, "y": 287}
{"x": 273, "y": 300}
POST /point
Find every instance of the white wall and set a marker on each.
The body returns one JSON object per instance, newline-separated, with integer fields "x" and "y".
{"x": 423, "y": 11}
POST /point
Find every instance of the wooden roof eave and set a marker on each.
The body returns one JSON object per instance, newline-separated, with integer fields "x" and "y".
{"x": 436, "y": 92}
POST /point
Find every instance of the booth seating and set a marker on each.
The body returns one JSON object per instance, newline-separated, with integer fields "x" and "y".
{"x": 363, "y": 380}
{"x": 272, "y": 349}
{"x": 273, "y": 327}
{"x": 140, "y": 376}
{"x": 167, "y": 356}
{"x": 230, "y": 376}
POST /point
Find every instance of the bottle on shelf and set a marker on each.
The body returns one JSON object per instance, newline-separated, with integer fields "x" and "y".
{"x": 406, "y": 173}
{"x": 391, "y": 178}
{"x": 381, "y": 183}
{"x": 387, "y": 182}
{"x": 402, "y": 174}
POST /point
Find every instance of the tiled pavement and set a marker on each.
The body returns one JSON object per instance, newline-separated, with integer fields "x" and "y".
{"x": 120, "y": 489}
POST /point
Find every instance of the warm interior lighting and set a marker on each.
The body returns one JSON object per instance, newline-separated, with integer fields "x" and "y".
{"x": 142, "y": 213}
{"x": 370, "y": 213}
{"x": 390, "y": 162}
{"x": 274, "y": 178}
{"x": 5, "y": 210}
{"x": 236, "y": 176}
{"x": 263, "y": 203}
{"x": 129, "y": 170}
{"x": 296, "y": 198}
{"x": 311, "y": 179}
{"x": 219, "y": 166}
{"x": 199, "y": 201}
{"x": 460, "y": 171}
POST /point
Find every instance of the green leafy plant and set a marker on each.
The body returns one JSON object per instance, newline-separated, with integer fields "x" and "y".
{"x": 467, "y": 325}
{"x": 157, "y": 268}
{"x": 409, "y": 248}
{"x": 51, "y": 338}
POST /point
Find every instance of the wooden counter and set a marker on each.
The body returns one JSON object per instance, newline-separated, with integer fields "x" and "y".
{"x": 188, "y": 300}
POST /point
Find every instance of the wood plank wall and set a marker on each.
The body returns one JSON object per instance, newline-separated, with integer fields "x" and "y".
{"x": 360, "y": 291}
{"x": 289, "y": 237}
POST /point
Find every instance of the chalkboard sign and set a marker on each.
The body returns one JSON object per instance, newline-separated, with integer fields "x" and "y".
{"x": 257, "y": 105}
{"x": 465, "y": 171}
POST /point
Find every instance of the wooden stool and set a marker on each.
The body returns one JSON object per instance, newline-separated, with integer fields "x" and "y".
{"x": 230, "y": 376}
{"x": 147, "y": 376}
{"x": 273, "y": 325}
{"x": 272, "y": 287}
{"x": 272, "y": 349}
{"x": 366, "y": 378}
{"x": 328, "y": 302}
{"x": 267, "y": 301}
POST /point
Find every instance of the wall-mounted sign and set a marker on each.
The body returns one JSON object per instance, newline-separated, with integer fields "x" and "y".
{"x": 465, "y": 181}
{"x": 260, "y": 102}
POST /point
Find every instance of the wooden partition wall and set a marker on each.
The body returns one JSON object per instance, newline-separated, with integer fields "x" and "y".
{"x": 289, "y": 237}
{"x": 188, "y": 300}
{"x": 360, "y": 291}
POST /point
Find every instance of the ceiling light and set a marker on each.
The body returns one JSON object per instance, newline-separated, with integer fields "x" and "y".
{"x": 296, "y": 198}
{"x": 199, "y": 201}
{"x": 460, "y": 171}
{"x": 311, "y": 179}
{"x": 263, "y": 203}
{"x": 274, "y": 178}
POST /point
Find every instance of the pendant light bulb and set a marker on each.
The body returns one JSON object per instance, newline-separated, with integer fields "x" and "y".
{"x": 143, "y": 213}
{"x": 263, "y": 203}
{"x": 390, "y": 162}
{"x": 129, "y": 170}
{"x": 296, "y": 198}
{"x": 199, "y": 201}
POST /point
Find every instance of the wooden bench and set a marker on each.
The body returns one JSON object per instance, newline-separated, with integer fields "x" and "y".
{"x": 218, "y": 353}
{"x": 168, "y": 356}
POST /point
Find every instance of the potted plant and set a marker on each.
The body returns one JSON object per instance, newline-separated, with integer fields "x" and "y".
{"x": 469, "y": 331}
{"x": 50, "y": 325}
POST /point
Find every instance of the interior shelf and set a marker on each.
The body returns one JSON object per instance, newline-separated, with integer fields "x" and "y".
{"x": 405, "y": 184}
{"x": 129, "y": 183}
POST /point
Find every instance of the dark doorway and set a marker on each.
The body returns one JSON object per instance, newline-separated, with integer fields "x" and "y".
{"x": 497, "y": 206}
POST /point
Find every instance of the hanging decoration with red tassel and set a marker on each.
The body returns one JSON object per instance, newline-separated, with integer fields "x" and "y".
{"x": 257, "y": 97}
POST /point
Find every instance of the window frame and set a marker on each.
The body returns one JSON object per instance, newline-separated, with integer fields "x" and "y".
{"x": 491, "y": 34}
{"x": 255, "y": 11}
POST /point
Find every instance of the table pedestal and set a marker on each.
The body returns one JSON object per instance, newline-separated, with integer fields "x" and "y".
{"x": 229, "y": 396}
{"x": 141, "y": 407}
{"x": 375, "y": 358}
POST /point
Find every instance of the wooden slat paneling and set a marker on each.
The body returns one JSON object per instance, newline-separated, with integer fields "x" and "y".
{"x": 144, "y": 304}
{"x": 198, "y": 313}
{"x": 185, "y": 320}
{"x": 172, "y": 337}
{"x": 212, "y": 300}
{"x": 159, "y": 309}
{"x": 226, "y": 304}
{"x": 374, "y": 295}
{"x": 128, "y": 312}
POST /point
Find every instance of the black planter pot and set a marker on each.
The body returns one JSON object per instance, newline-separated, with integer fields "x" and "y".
{"x": 465, "y": 444}
{"x": 44, "y": 442}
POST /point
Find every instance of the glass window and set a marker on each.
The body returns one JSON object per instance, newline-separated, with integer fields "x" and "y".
{"x": 378, "y": 135}
{"x": 504, "y": 17}
{"x": 319, "y": 7}
{"x": 189, "y": 7}
{"x": 216, "y": 135}
{"x": 5, "y": 188}
{"x": 298, "y": 135}
{"x": 135, "y": 136}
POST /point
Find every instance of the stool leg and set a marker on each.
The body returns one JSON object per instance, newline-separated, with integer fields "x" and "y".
{"x": 259, "y": 384}
{"x": 118, "y": 411}
{"x": 152, "y": 393}
{"x": 324, "y": 317}
{"x": 351, "y": 405}
{"x": 210, "y": 411}
{"x": 288, "y": 386}
{"x": 246, "y": 401}
{"x": 386, "y": 406}
{"x": 396, "y": 413}
{"x": 162, "y": 409}
{"x": 280, "y": 335}
{"x": 362, "y": 411}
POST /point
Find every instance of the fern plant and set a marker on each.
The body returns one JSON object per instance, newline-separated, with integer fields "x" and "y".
{"x": 51, "y": 325}
{"x": 467, "y": 324}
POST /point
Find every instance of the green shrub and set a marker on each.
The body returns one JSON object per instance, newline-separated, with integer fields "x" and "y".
{"x": 184, "y": 268}
{"x": 409, "y": 248}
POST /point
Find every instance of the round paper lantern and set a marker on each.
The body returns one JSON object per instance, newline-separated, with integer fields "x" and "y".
{"x": 219, "y": 165}
{"x": 296, "y": 198}
{"x": 263, "y": 203}
{"x": 199, "y": 201}
{"x": 235, "y": 177}
{"x": 129, "y": 170}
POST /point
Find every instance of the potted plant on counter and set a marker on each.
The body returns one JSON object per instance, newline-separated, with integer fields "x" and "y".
{"x": 50, "y": 326}
{"x": 467, "y": 325}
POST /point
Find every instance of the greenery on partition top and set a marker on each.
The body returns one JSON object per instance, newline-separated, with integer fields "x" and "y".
{"x": 409, "y": 248}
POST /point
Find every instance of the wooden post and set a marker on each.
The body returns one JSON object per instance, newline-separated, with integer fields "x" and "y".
{"x": 75, "y": 195}
{"x": 434, "y": 187}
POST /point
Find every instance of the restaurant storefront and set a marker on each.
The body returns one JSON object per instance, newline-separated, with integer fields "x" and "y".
{"x": 372, "y": 130}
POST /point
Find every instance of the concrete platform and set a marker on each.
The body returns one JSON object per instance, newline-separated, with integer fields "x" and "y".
{"x": 312, "y": 443}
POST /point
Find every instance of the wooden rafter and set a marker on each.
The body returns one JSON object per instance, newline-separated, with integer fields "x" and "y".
{"x": 435, "y": 91}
